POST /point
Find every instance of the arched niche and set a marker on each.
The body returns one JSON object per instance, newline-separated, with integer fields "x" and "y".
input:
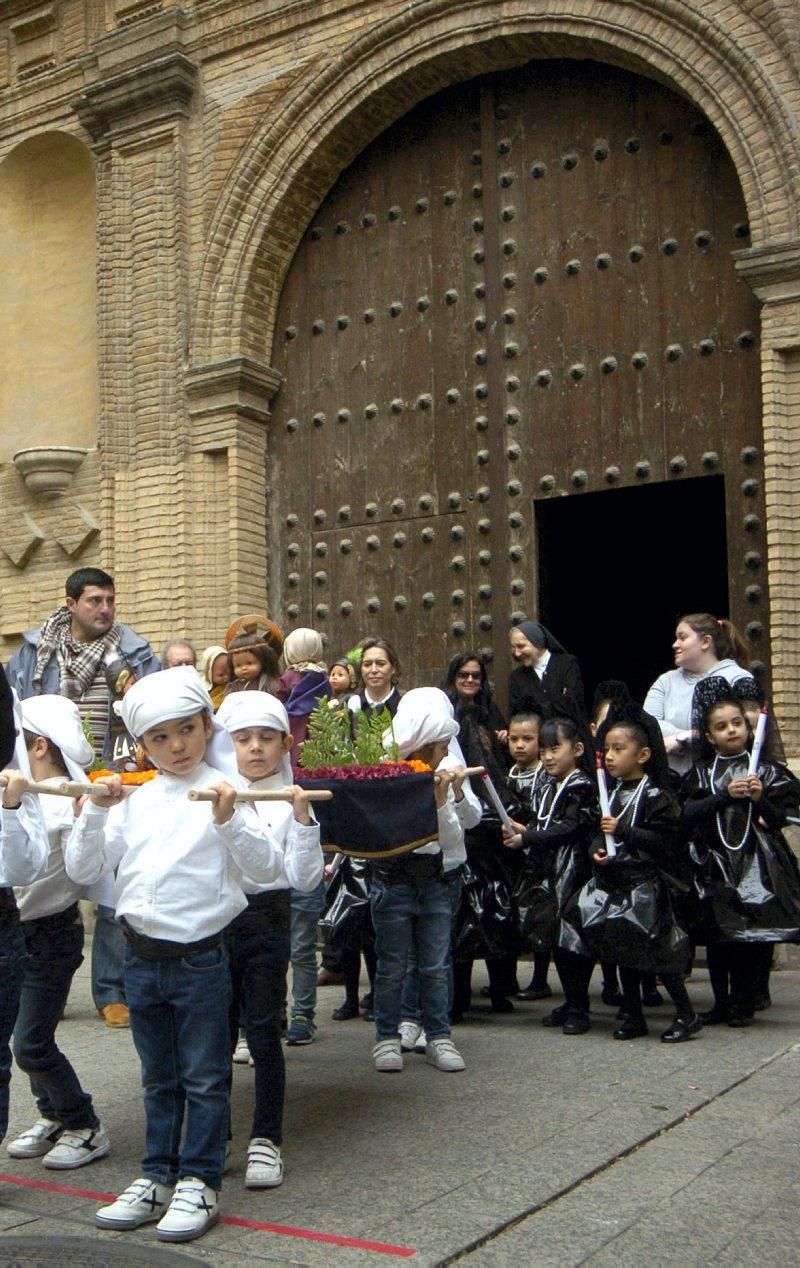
{"x": 48, "y": 352}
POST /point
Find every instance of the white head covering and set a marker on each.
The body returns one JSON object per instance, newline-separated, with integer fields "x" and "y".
{"x": 30, "y": 812}
{"x": 58, "y": 720}
{"x": 205, "y": 662}
{"x": 246, "y": 709}
{"x": 302, "y": 649}
{"x": 160, "y": 698}
{"x": 424, "y": 716}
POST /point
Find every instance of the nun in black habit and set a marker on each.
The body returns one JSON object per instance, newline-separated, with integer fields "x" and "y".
{"x": 545, "y": 673}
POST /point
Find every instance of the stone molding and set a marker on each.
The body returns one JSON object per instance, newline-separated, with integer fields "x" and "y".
{"x": 773, "y": 270}
{"x": 153, "y": 93}
{"x": 239, "y": 387}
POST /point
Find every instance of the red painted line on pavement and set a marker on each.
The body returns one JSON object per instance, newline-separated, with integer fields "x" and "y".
{"x": 283, "y": 1230}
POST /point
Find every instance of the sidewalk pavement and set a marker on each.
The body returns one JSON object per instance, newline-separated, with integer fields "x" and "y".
{"x": 548, "y": 1150}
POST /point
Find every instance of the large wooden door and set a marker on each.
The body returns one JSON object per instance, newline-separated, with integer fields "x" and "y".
{"x": 522, "y": 290}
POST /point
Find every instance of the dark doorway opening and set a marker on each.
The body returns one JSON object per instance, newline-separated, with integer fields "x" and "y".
{"x": 617, "y": 569}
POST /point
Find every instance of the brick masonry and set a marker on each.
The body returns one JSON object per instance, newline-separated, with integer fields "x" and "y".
{"x": 216, "y": 129}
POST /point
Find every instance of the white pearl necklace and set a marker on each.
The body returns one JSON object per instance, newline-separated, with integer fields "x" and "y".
{"x": 720, "y": 833}
{"x": 545, "y": 819}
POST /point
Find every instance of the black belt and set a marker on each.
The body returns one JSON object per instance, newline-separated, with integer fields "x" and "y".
{"x": 162, "y": 949}
{"x": 57, "y": 920}
{"x": 9, "y": 913}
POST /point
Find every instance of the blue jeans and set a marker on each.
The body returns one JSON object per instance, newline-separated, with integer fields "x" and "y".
{"x": 306, "y": 913}
{"x": 12, "y": 963}
{"x": 414, "y": 913}
{"x": 258, "y": 954}
{"x": 410, "y": 1003}
{"x": 55, "y": 947}
{"x": 108, "y": 960}
{"x": 179, "y": 1023}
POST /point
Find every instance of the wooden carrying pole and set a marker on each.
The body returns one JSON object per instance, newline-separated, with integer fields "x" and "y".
{"x": 64, "y": 789}
{"x": 257, "y": 794}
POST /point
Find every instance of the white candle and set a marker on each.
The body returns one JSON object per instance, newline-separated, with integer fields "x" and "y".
{"x": 498, "y": 805}
{"x": 605, "y": 807}
{"x": 758, "y": 741}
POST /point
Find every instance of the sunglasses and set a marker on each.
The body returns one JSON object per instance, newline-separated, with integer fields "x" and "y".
{"x": 469, "y": 673}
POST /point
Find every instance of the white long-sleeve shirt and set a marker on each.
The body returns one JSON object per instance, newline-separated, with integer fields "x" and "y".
{"x": 179, "y": 874}
{"x": 24, "y": 846}
{"x": 52, "y": 891}
{"x": 297, "y": 844}
{"x": 454, "y": 819}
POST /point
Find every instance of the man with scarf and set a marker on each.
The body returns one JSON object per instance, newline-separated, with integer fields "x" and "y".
{"x": 70, "y": 655}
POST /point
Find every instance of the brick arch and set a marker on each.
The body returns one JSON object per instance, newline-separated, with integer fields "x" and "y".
{"x": 304, "y": 146}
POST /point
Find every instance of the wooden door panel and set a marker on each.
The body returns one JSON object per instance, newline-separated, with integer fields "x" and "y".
{"x": 522, "y": 290}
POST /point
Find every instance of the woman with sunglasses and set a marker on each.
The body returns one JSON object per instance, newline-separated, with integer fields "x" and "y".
{"x": 490, "y": 882}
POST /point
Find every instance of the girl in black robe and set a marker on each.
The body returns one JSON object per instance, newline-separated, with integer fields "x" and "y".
{"x": 556, "y": 852}
{"x": 746, "y": 877}
{"x": 625, "y": 913}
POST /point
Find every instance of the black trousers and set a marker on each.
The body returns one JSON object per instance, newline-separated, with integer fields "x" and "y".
{"x": 632, "y": 980}
{"x": 738, "y": 971}
{"x": 258, "y": 944}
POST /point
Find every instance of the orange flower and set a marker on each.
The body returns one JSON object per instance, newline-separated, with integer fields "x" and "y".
{"x": 133, "y": 778}
{"x": 419, "y": 768}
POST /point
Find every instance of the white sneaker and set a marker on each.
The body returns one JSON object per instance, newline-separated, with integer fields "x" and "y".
{"x": 410, "y": 1032}
{"x": 76, "y": 1148}
{"x": 141, "y": 1203}
{"x": 194, "y": 1209}
{"x": 387, "y": 1056}
{"x": 444, "y": 1055}
{"x": 264, "y": 1164}
{"x": 241, "y": 1054}
{"x": 422, "y": 1042}
{"x": 37, "y": 1140}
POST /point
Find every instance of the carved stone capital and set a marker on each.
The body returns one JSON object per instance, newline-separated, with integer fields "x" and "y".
{"x": 238, "y": 387}
{"x": 155, "y": 92}
{"x": 773, "y": 271}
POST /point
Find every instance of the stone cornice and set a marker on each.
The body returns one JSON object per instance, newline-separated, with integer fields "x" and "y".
{"x": 160, "y": 89}
{"x": 238, "y": 386}
{"x": 773, "y": 271}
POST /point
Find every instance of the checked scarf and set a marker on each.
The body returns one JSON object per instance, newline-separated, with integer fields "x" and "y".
{"x": 78, "y": 663}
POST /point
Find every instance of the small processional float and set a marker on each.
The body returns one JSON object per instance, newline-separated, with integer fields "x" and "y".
{"x": 381, "y": 806}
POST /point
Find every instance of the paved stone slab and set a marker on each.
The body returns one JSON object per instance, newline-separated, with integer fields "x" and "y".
{"x": 438, "y": 1162}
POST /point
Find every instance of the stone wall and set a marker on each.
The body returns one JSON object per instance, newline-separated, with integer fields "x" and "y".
{"x": 216, "y": 128}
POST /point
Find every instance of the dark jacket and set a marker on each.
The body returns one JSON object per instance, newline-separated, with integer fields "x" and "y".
{"x": 20, "y": 669}
{"x": 562, "y": 677}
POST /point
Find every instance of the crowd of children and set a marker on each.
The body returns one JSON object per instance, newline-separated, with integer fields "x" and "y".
{"x": 218, "y": 894}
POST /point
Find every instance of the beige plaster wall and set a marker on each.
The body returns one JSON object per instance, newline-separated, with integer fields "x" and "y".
{"x": 48, "y": 350}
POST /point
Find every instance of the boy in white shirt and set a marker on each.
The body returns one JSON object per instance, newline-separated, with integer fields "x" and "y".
{"x": 179, "y": 884}
{"x": 258, "y": 941}
{"x": 23, "y": 856}
{"x": 68, "y": 1132}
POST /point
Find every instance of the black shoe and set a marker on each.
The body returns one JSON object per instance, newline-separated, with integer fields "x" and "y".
{"x": 739, "y": 1020}
{"x": 576, "y": 1023}
{"x": 502, "y": 1005}
{"x": 763, "y": 1001}
{"x": 535, "y": 992}
{"x": 611, "y": 996}
{"x": 682, "y": 1029}
{"x": 345, "y": 1012}
{"x": 367, "y": 1014}
{"x": 715, "y": 1016}
{"x": 652, "y": 999}
{"x": 631, "y": 1028}
{"x": 556, "y": 1018}
{"x": 367, "y": 1000}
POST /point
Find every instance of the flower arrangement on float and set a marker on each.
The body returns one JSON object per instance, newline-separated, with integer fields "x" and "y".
{"x": 381, "y": 806}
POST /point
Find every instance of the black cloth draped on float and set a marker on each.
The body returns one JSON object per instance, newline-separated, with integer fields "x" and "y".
{"x": 376, "y": 818}
{"x": 746, "y": 878}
